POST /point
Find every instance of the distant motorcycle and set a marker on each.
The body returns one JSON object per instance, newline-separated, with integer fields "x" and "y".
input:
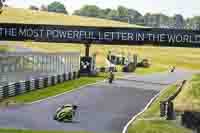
{"x": 111, "y": 77}
{"x": 173, "y": 69}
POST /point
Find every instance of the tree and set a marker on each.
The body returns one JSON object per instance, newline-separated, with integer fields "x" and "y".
{"x": 57, "y": 7}
{"x": 122, "y": 11}
{"x": 44, "y": 8}
{"x": 89, "y": 11}
{"x": 104, "y": 13}
{"x": 133, "y": 15}
{"x": 32, "y": 7}
{"x": 113, "y": 14}
{"x": 1, "y": 5}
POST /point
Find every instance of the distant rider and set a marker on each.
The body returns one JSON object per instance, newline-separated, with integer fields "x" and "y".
{"x": 111, "y": 77}
{"x": 173, "y": 69}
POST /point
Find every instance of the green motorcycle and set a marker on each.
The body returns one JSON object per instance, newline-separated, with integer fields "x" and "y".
{"x": 65, "y": 113}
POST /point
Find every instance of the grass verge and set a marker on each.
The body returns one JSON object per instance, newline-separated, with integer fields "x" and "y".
{"x": 150, "y": 121}
{"x": 187, "y": 58}
{"x": 4, "y": 48}
{"x": 54, "y": 90}
{"x": 151, "y": 69}
{"x": 189, "y": 98}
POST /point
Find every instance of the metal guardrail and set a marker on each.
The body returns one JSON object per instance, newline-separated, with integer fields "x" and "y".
{"x": 21, "y": 87}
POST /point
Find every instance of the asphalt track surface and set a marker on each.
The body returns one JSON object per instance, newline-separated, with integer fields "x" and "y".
{"x": 103, "y": 107}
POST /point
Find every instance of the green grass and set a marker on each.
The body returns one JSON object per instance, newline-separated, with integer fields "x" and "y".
{"x": 31, "y": 131}
{"x": 54, "y": 90}
{"x": 187, "y": 58}
{"x": 157, "y": 126}
{"x": 151, "y": 69}
{"x": 18, "y": 15}
{"x": 4, "y": 48}
{"x": 189, "y": 98}
{"x": 154, "y": 110}
{"x": 150, "y": 122}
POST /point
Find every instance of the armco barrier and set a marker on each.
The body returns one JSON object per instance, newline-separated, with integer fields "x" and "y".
{"x": 33, "y": 84}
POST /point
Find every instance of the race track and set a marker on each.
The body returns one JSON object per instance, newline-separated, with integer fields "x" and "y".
{"x": 103, "y": 107}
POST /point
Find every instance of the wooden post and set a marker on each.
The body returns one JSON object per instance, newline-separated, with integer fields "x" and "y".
{"x": 87, "y": 48}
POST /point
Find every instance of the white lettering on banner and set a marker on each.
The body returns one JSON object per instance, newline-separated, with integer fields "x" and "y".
{"x": 107, "y": 36}
{"x": 130, "y": 36}
{"x": 140, "y": 37}
{"x": 12, "y": 32}
{"x": 62, "y": 34}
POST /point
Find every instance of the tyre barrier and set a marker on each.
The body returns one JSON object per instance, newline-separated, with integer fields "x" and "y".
{"x": 1, "y": 91}
{"x": 70, "y": 76}
{"x": 21, "y": 87}
{"x": 27, "y": 86}
{"x": 32, "y": 84}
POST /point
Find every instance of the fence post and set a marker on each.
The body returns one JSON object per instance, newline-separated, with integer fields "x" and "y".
{"x": 64, "y": 77}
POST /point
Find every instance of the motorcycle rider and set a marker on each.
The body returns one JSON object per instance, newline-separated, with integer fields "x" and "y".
{"x": 65, "y": 113}
{"x": 111, "y": 77}
{"x": 173, "y": 69}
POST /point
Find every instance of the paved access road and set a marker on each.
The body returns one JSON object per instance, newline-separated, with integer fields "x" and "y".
{"x": 103, "y": 107}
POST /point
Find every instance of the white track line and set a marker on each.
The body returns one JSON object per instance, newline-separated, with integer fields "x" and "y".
{"x": 147, "y": 106}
